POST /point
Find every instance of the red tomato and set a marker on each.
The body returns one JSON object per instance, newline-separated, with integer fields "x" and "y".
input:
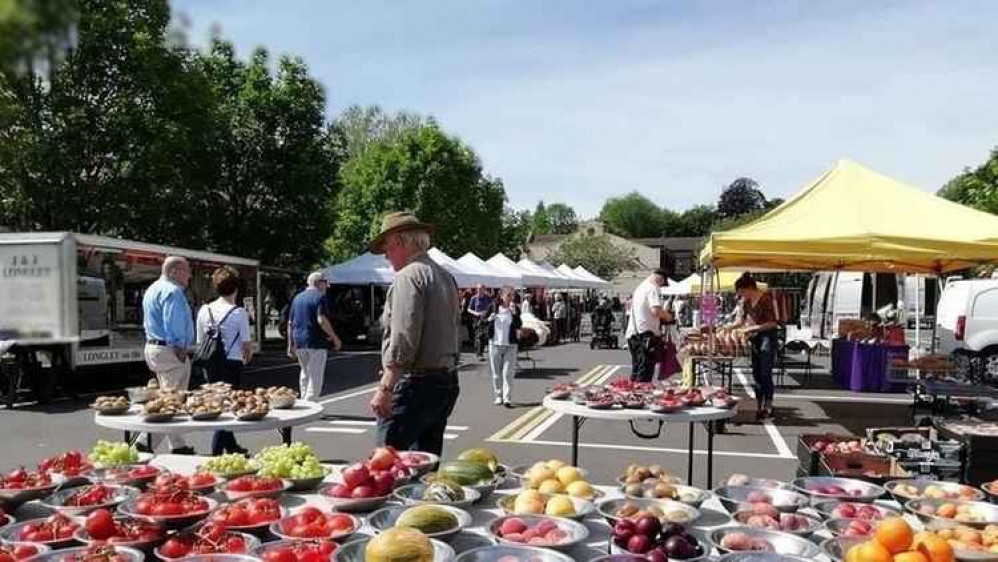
{"x": 235, "y": 544}
{"x": 300, "y": 531}
{"x": 173, "y": 548}
{"x": 100, "y": 524}
{"x": 282, "y": 554}
{"x": 145, "y": 506}
{"x": 327, "y": 548}
{"x": 311, "y": 556}
{"x": 310, "y": 514}
{"x": 24, "y": 551}
{"x": 167, "y": 509}
{"x": 6, "y": 557}
{"x": 340, "y": 523}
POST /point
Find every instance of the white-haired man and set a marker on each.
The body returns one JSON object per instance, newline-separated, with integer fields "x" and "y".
{"x": 419, "y": 349}
{"x": 309, "y": 333}
{"x": 169, "y": 327}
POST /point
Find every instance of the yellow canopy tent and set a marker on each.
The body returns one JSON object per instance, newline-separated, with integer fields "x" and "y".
{"x": 724, "y": 282}
{"x": 852, "y": 218}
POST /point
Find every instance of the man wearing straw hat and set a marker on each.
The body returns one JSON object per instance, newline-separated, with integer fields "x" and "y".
{"x": 419, "y": 348}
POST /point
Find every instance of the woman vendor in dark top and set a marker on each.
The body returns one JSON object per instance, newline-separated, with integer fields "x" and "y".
{"x": 760, "y": 326}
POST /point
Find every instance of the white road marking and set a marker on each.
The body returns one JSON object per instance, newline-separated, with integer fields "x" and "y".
{"x": 450, "y": 436}
{"x": 457, "y": 427}
{"x": 774, "y": 434}
{"x": 350, "y": 430}
{"x": 349, "y": 395}
{"x": 546, "y": 424}
{"x": 860, "y": 399}
{"x": 353, "y": 422}
{"x": 650, "y": 449}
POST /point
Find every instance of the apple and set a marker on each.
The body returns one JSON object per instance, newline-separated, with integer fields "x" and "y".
{"x": 356, "y": 475}
{"x": 363, "y": 492}
{"x": 384, "y": 481}
{"x": 382, "y": 459}
{"x": 339, "y": 491}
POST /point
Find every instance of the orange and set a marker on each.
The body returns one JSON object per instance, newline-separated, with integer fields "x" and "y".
{"x": 910, "y": 557}
{"x": 936, "y": 549}
{"x": 970, "y": 536}
{"x": 852, "y": 555}
{"x": 872, "y": 551}
{"x": 895, "y": 534}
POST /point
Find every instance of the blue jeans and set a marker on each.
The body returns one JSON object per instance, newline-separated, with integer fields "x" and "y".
{"x": 763, "y": 359}
{"x": 419, "y": 413}
{"x": 231, "y": 372}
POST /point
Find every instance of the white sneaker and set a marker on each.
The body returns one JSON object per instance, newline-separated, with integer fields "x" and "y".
{"x": 497, "y": 401}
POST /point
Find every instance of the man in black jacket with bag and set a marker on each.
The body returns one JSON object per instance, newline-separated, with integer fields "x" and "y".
{"x": 644, "y": 326}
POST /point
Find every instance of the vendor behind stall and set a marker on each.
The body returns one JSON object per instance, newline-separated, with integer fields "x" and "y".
{"x": 760, "y": 322}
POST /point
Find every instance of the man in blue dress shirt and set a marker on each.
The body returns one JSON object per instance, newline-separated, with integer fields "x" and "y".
{"x": 169, "y": 327}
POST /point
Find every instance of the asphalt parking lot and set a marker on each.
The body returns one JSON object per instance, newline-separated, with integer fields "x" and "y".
{"x": 520, "y": 435}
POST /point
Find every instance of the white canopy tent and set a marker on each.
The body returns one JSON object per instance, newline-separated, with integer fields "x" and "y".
{"x": 678, "y": 288}
{"x": 475, "y": 264}
{"x": 582, "y": 283}
{"x": 584, "y": 273}
{"x": 530, "y": 279}
{"x": 366, "y": 269}
{"x": 554, "y": 280}
{"x": 464, "y": 276}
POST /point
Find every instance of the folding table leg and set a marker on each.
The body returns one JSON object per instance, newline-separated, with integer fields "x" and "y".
{"x": 710, "y": 455}
{"x": 285, "y": 435}
{"x": 575, "y": 440}
{"x": 689, "y": 458}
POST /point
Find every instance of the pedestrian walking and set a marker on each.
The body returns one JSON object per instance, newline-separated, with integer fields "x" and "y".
{"x": 310, "y": 333}
{"x": 759, "y": 315}
{"x": 644, "y": 326}
{"x": 504, "y": 323}
{"x": 559, "y": 312}
{"x": 478, "y": 309}
{"x": 169, "y": 330}
{"x": 420, "y": 345}
{"x": 229, "y": 322}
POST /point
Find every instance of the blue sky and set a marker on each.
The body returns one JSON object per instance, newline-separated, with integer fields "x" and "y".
{"x": 577, "y": 101}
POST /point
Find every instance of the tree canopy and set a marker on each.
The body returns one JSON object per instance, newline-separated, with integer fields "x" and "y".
{"x": 977, "y": 187}
{"x": 742, "y": 196}
{"x": 633, "y": 216}
{"x": 597, "y": 253}
{"x": 430, "y": 173}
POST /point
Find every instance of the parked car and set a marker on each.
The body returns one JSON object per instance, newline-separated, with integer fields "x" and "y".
{"x": 967, "y": 322}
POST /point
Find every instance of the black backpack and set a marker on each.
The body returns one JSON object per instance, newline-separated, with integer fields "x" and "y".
{"x": 210, "y": 353}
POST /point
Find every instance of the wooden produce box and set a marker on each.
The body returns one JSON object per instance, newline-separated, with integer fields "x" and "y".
{"x": 980, "y": 449}
{"x": 862, "y": 466}
{"x": 808, "y": 460}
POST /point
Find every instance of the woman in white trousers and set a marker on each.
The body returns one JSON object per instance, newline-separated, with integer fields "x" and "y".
{"x": 504, "y": 322}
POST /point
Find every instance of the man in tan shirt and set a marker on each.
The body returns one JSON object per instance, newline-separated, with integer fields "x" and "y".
{"x": 420, "y": 344}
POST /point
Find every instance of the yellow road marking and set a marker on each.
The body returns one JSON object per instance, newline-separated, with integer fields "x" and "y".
{"x": 528, "y": 421}
{"x": 533, "y": 413}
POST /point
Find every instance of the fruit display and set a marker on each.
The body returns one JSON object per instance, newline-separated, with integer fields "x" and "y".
{"x": 399, "y": 544}
{"x": 558, "y": 477}
{"x": 532, "y": 502}
{"x": 110, "y": 404}
{"x": 311, "y": 523}
{"x": 254, "y": 486}
{"x": 281, "y": 396}
{"x": 861, "y": 511}
{"x": 18, "y": 551}
{"x": 304, "y": 550}
{"x": 95, "y": 553}
{"x": 171, "y": 502}
{"x": 648, "y": 535}
{"x": 837, "y": 447}
{"x": 647, "y": 475}
{"x": 428, "y": 519}
{"x": 744, "y": 480}
{"x": 129, "y": 475}
{"x": 22, "y": 479}
{"x": 666, "y": 512}
{"x": 894, "y": 540}
{"x": 295, "y": 461}
{"x": 961, "y": 512}
{"x": 851, "y": 528}
{"x": 541, "y": 532}
{"x": 786, "y": 522}
{"x": 743, "y": 542}
{"x": 360, "y": 483}
{"x": 101, "y": 525}
{"x": 727, "y": 342}
{"x": 972, "y": 541}
{"x": 562, "y": 391}
{"x": 657, "y": 489}
{"x": 466, "y": 473}
{"x": 229, "y": 464}
{"x": 95, "y": 494}
{"x": 69, "y": 464}
{"x": 210, "y": 538}
{"x": 825, "y": 487}
{"x": 916, "y": 490}
{"x": 418, "y": 461}
{"x": 250, "y": 512}
{"x": 200, "y": 482}
{"x": 443, "y": 491}
{"x": 55, "y": 528}
{"x": 108, "y": 453}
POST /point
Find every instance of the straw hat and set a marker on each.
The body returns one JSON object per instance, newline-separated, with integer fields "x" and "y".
{"x": 397, "y": 222}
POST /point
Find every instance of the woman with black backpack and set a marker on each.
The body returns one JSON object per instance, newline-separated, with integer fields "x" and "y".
{"x": 229, "y": 323}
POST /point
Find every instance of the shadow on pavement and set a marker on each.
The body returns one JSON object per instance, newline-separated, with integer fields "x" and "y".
{"x": 544, "y": 373}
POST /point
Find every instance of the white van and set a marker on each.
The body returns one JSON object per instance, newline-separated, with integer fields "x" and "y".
{"x": 832, "y": 296}
{"x": 967, "y": 321}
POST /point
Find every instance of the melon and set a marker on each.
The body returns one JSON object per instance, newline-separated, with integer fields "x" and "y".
{"x": 399, "y": 544}
{"x": 482, "y": 456}
{"x": 427, "y": 518}
{"x": 465, "y": 473}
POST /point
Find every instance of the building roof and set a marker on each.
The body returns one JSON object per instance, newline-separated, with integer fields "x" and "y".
{"x": 689, "y": 244}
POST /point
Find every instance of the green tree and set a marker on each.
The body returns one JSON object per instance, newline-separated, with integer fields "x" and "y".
{"x": 274, "y": 163}
{"x": 633, "y": 216}
{"x": 35, "y": 34}
{"x": 977, "y": 187}
{"x": 541, "y": 219}
{"x": 430, "y": 173}
{"x": 516, "y": 227}
{"x": 562, "y": 218}
{"x": 741, "y": 197}
{"x": 697, "y": 221}
{"x": 596, "y": 253}
{"x": 361, "y": 125}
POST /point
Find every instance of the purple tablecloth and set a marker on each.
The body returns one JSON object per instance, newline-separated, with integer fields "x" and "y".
{"x": 863, "y": 367}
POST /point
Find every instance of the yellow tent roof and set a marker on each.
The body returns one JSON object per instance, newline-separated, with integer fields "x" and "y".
{"x": 725, "y": 278}
{"x": 853, "y": 218}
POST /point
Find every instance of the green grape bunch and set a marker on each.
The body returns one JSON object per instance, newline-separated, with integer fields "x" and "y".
{"x": 233, "y": 463}
{"x": 109, "y": 453}
{"x": 295, "y": 461}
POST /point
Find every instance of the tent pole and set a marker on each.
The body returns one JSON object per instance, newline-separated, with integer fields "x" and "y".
{"x": 918, "y": 315}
